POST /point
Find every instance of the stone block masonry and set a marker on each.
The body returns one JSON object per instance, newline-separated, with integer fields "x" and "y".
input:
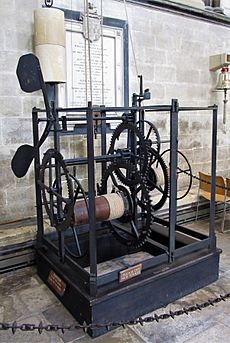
{"x": 172, "y": 53}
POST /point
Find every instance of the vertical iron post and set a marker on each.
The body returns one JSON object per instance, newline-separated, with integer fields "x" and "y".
{"x": 91, "y": 191}
{"x": 213, "y": 173}
{"x": 140, "y": 99}
{"x": 58, "y": 181}
{"x": 39, "y": 212}
{"x": 103, "y": 139}
{"x": 173, "y": 176}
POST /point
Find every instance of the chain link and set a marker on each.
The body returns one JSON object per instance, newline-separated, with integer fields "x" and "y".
{"x": 150, "y": 319}
{"x": 199, "y": 179}
{"x": 141, "y": 320}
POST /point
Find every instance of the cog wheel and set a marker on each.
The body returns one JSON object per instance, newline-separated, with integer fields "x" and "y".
{"x": 124, "y": 137}
{"x": 125, "y": 173}
{"x": 58, "y": 198}
{"x": 150, "y": 133}
{"x": 133, "y": 228}
{"x": 157, "y": 179}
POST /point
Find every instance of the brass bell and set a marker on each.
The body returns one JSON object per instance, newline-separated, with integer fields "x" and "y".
{"x": 224, "y": 79}
{"x": 223, "y": 85}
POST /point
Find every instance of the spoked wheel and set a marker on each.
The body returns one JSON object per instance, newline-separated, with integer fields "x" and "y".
{"x": 151, "y": 134}
{"x": 125, "y": 136}
{"x": 79, "y": 193}
{"x": 58, "y": 198}
{"x": 157, "y": 180}
{"x": 184, "y": 172}
{"x": 133, "y": 227}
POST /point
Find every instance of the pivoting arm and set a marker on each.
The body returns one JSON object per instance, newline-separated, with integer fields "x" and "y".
{"x": 30, "y": 79}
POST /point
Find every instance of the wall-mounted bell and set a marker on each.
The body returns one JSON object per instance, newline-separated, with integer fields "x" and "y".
{"x": 223, "y": 85}
{"x": 224, "y": 79}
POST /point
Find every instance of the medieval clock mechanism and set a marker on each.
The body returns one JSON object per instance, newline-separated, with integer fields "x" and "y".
{"x": 109, "y": 256}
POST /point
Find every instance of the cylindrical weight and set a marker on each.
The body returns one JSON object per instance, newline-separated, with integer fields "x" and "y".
{"x": 49, "y": 41}
{"x": 49, "y": 27}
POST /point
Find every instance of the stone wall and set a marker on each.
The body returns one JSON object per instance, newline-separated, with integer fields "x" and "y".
{"x": 172, "y": 53}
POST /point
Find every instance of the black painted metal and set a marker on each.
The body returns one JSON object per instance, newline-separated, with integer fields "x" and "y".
{"x": 135, "y": 298}
{"x": 39, "y": 210}
{"x": 103, "y": 141}
{"x": 91, "y": 191}
{"x": 213, "y": 173}
{"x": 173, "y": 176}
{"x": 182, "y": 260}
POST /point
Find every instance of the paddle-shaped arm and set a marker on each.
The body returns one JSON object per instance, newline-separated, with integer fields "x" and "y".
{"x": 30, "y": 79}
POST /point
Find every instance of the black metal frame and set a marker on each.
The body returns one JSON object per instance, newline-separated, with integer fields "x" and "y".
{"x": 176, "y": 251}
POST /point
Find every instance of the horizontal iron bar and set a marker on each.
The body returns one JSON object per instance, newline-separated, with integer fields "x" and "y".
{"x": 204, "y": 244}
{"x": 102, "y": 158}
{"x": 151, "y": 108}
{"x": 182, "y": 229}
{"x": 146, "y": 264}
{"x": 98, "y": 159}
{"x": 117, "y": 109}
{"x": 208, "y": 108}
{"x": 84, "y": 118}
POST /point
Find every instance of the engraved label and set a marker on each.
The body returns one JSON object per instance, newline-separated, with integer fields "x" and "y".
{"x": 56, "y": 283}
{"x": 129, "y": 273}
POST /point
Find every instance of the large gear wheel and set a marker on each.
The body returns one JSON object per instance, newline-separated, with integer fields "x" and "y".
{"x": 157, "y": 179}
{"x": 58, "y": 199}
{"x": 121, "y": 142}
{"x": 133, "y": 228}
{"x": 150, "y": 133}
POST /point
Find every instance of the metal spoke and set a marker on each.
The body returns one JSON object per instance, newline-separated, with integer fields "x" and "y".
{"x": 150, "y": 129}
{"x": 133, "y": 226}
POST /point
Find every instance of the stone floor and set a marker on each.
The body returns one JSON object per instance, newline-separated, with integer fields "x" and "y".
{"x": 23, "y": 297}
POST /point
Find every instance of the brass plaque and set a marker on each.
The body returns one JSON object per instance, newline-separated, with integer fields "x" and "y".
{"x": 129, "y": 273}
{"x": 56, "y": 283}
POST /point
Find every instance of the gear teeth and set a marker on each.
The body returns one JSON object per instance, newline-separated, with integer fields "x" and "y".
{"x": 162, "y": 163}
{"x": 64, "y": 224}
{"x": 147, "y": 202}
{"x": 116, "y": 134}
{"x": 157, "y": 140}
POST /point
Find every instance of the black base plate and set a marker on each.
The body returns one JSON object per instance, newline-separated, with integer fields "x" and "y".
{"x": 136, "y": 297}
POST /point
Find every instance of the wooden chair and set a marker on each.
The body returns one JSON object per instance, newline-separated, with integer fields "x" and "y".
{"x": 221, "y": 194}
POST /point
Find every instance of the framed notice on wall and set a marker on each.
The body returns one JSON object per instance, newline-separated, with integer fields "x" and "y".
{"x": 108, "y": 62}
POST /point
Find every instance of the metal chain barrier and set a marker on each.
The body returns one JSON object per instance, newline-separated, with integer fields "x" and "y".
{"x": 197, "y": 178}
{"x": 141, "y": 320}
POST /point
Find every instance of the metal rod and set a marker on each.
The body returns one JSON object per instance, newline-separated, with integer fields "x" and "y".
{"x": 128, "y": 108}
{"x": 118, "y": 109}
{"x": 173, "y": 176}
{"x": 102, "y": 158}
{"x": 84, "y": 118}
{"x": 103, "y": 141}
{"x": 39, "y": 212}
{"x": 213, "y": 185}
{"x": 58, "y": 181}
{"x": 208, "y": 108}
{"x": 91, "y": 190}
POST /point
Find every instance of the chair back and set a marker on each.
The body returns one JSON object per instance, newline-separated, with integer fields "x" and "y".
{"x": 228, "y": 186}
{"x": 205, "y": 187}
